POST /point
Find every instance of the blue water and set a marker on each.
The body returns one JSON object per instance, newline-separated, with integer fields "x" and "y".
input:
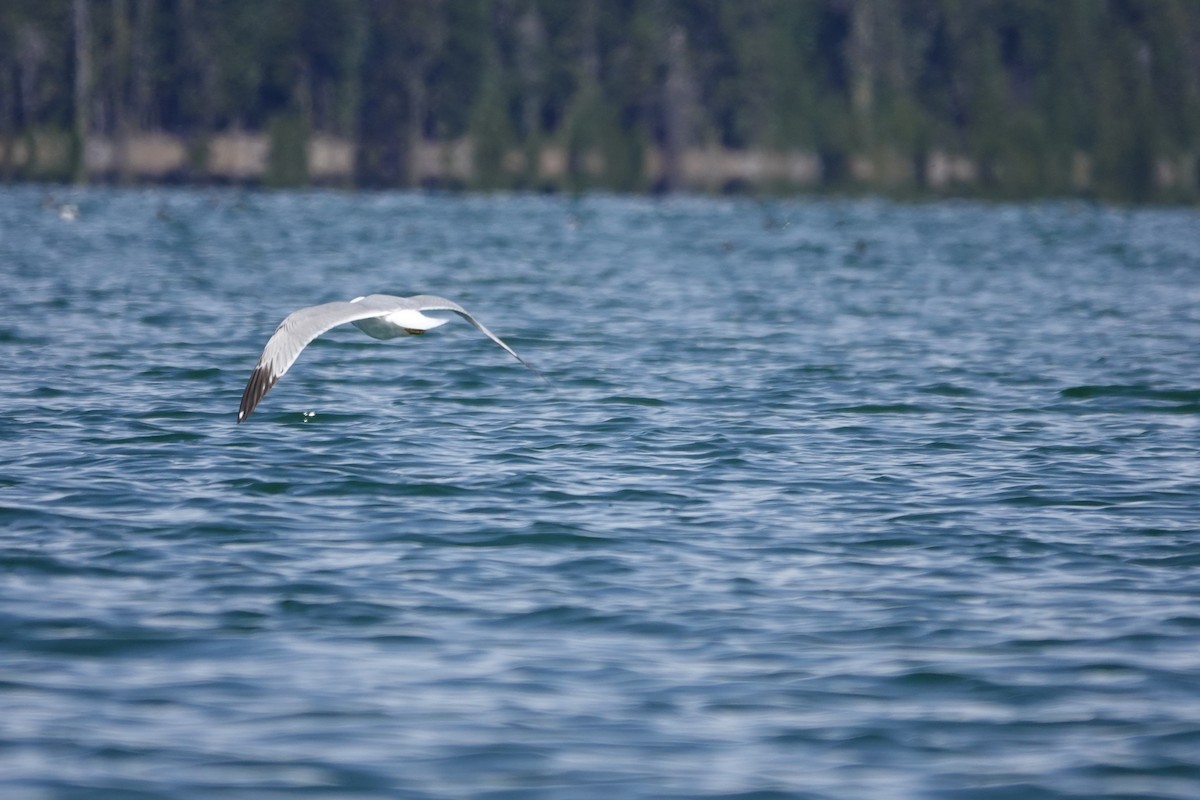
{"x": 831, "y": 499}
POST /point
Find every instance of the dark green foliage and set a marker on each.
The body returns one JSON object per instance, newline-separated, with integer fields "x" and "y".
{"x": 287, "y": 159}
{"x": 1034, "y": 97}
{"x": 492, "y": 135}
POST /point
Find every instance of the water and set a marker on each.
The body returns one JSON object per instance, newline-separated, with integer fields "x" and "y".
{"x": 834, "y": 499}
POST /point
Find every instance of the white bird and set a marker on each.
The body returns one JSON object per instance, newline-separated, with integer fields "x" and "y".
{"x": 381, "y": 316}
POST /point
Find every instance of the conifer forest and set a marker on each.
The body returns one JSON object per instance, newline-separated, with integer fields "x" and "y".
{"x": 990, "y": 98}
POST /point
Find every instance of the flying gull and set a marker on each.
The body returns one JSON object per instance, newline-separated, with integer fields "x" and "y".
{"x": 382, "y": 316}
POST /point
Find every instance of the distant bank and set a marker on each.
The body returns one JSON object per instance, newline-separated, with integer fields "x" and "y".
{"x": 900, "y": 97}
{"x": 261, "y": 159}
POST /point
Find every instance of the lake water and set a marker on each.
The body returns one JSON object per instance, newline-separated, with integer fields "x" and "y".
{"x": 831, "y": 499}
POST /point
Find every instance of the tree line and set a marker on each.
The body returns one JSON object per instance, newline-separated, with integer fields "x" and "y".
{"x": 997, "y": 97}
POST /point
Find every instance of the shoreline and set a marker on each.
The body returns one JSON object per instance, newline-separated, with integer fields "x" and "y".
{"x": 246, "y": 158}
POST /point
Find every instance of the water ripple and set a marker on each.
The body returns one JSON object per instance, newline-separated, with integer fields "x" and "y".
{"x": 800, "y": 520}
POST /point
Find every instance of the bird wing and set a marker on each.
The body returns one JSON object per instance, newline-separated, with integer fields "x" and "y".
{"x": 429, "y": 302}
{"x": 292, "y": 336}
{"x": 302, "y": 326}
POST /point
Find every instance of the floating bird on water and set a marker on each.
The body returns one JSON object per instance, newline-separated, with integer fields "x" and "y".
{"x": 382, "y": 316}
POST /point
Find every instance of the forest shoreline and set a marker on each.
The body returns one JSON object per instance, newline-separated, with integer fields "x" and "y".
{"x": 908, "y": 98}
{"x": 255, "y": 159}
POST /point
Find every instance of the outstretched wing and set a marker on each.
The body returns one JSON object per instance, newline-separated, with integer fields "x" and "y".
{"x": 292, "y": 336}
{"x": 302, "y": 326}
{"x": 429, "y": 302}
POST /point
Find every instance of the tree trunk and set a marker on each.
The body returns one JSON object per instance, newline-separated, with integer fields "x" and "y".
{"x": 679, "y": 107}
{"x": 862, "y": 54}
{"x": 82, "y": 28}
{"x": 141, "y": 68}
{"x": 120, "y": 90}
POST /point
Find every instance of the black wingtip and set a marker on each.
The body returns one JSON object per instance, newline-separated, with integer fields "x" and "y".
{"x": 261, "y": 381}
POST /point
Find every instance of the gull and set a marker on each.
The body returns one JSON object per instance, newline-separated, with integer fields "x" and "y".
{"x": 381, "y": 316}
